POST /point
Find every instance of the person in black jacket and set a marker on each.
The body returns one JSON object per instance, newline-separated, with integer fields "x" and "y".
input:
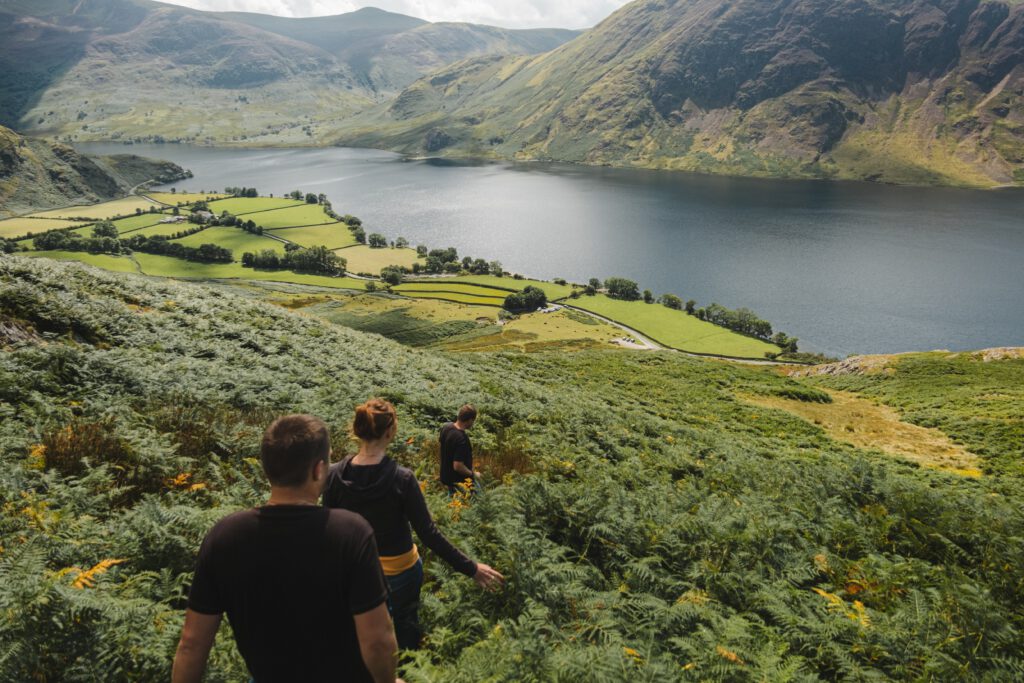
{"x": 390, "y": 499}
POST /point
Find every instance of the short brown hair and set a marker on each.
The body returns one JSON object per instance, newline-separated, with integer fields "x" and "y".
{"x": 373, "y": 419}
{"x": 291, "y": 446}
{"x": 467, "y": 413}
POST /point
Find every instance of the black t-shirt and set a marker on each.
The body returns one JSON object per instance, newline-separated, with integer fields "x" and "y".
{"x": 455, "y": 447}
{"x": 290, "y": 578}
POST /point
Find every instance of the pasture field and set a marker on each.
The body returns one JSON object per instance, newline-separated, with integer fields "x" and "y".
{"x": 675, "y": 329}
{"x": 562, "y": 330}
{"x": 164, "y": 230}
{"x": 166, "y": 266}
{"x": 237, "y": 240}
{"x": 117, "y": 207}
{"x": 183, "y": 198}
{"x": 116, "y": 264}
{"x": 457, "y": 297}
{"x": 127, "y": 225}
{"x": 330, "y": 235}
{"x": 413, "y": 288}
{"x": 18, "y": 227}
{"x": 552, "y": 290}
{"x": 294, "y": 216}
{"x": 363, "y": 259}
{"x": 238, "y": 206}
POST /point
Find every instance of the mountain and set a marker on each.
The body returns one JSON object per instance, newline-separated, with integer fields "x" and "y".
{"x": 908, "y": 91}
{"x": 36, "y": 174}
{"x": 135, "y": 69}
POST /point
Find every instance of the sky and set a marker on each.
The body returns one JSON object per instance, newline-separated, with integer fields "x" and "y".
{"x": 507, "y": 13}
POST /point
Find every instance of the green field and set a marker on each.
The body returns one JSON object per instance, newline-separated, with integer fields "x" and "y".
{"x": 460, "y": 298}
{"x": 117, "y": 264}
{"x": 414, "y": 288}
{"x": 330, "y": 235}
{"x": 126, "y": 225}
{"x": 237, "y": 240}
{"x": 166, "y": 266}
{"x": 675, "y": 329}
{"x": 116, "y": 207}
{"x": 18, "y": 227}
{"x": 552, "y": 290}
{"x": 363, "y": 259}
{"x": 237, "y": 206}
{"x": 163, "y": 230}
{"x": 305, "y": 214}
{"x": 182, "y": 198}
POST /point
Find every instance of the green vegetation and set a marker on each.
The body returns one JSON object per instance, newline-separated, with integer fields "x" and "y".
{"x": 652, "y": 523}
{"x": 459, "y": 297}
{"x": 240, "y": 206}
{"x": 166, "y": 266}
{"x": 975, "y": 398}
{"x": 127, "y": 206}
{"x": 675, "y": 329}
{"x": 127, "y": 225}
{"x": 530, "y": 299}
{"x": 235, "y": 239}
{"x": 509, "y": 284}
{"x": 116, "y": 264}
{"x": 331, "y": 235}
{"x": 369, "y": 261}
{"x": 449, "y": 285}
{"x": 296, "y": 216}
{"x": 19, "y": 227}
{"x": 184, "y": 198}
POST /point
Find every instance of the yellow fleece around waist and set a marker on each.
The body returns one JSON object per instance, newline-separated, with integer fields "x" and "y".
{"x": 396, "y": 564}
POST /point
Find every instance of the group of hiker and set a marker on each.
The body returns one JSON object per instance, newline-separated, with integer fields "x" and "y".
{"x": 326, "y": 591}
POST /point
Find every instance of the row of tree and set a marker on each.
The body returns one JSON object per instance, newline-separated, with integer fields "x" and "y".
{"x": 530, "y": 299}
{"x": 315, "y": 260}
{"x": 162, "y": 246}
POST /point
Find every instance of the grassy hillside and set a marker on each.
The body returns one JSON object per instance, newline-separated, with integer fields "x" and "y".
{"x": 903, "y": 92}
{"x": 36, "y": 174}
{"x": 653, "y": 524}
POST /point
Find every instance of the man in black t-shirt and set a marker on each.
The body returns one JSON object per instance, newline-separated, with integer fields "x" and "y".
{"x": 301, "y": 584}
{"x": 456, "y": 450}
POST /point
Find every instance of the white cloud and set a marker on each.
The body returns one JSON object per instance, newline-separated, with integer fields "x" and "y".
{"x": 508, "y": 13}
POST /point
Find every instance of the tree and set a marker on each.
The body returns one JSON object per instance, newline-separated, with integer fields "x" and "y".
{"x": 421, "y": 250}
{"x": 104, "y": 229}
{"x": 479, "y": 267}
{"x": 312, "y": 199}
{"x": 672, "y": 301}
{"x": 295, "y": 194}
{"x": 691, "y": 306}
{"x": 360, "y": 235}
{"x": 377, "y": 241}
{"x": 351, "y": 220}
{"x": 371, "y": 286}
{"x": 621, "y": 288}
{"x": 530, "y": 299}
{"x": 648, "y": 297}
{"x": 495, "y": 268}
{"x": 594, "y": 284}
{"x": 401, "y": 243}
{"x": 392, "y": 275}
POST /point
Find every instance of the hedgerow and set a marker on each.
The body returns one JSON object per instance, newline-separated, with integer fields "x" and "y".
{"x": 651, "y": 524}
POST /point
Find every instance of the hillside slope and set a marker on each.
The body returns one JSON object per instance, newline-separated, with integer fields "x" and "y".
{"x": 36, "y": 174}
{"x": 652, "y": 523}
{"x": 912, "y": 91}
{"x": 135, "y": 69}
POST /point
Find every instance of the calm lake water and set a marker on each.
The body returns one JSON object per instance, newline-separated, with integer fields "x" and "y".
{"x": 847, "y": 267}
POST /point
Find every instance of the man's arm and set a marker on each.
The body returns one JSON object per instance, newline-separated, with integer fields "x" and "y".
{"x": 377, "y": 643}
{"x": 463, "y": 454}
{"x": 197, "y": 638}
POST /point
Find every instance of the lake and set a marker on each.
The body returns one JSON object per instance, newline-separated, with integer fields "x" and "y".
{"x": 846, "y": 267}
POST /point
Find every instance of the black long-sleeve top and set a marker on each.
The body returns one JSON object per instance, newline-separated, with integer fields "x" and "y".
{"x": 389, "y": 498}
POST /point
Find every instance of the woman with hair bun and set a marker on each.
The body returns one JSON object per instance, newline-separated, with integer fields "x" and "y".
{"x": 390, "y": 499}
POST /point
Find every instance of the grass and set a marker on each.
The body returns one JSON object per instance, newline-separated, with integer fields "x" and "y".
{"x": 330, "y": 235}
{"x": 238, "y": 206}
{"x": 411, "y": 288}
{"x": 131, "y": 223}
{"x": 166, "y": 266}
{"x": 116, "y": 207}
{"x": 560, "y": 331}
{"x": 363, "y": 259}
{"x": 164, "y": 230}
{"x": 975, "y": 398}
{"x": 117, "y": 264}
{"x": 864, "y": 424}
{"x": 459, "y": 298}
{"x": 183, "y": 198}
{"x": 295, "y": 216}
{"x": 552, "y": 290}
{"x": 675, "y": 329}
{"x": 19, "y": 227}
{"x": 235, "y": 239}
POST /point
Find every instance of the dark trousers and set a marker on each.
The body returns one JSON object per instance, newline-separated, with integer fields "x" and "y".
{"x": 404, "y": 605}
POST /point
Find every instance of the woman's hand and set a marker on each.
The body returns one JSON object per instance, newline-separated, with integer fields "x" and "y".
{"x": 488, "y": 578}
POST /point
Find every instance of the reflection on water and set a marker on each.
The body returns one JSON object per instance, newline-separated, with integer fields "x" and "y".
{"x": 847, "y": 267}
